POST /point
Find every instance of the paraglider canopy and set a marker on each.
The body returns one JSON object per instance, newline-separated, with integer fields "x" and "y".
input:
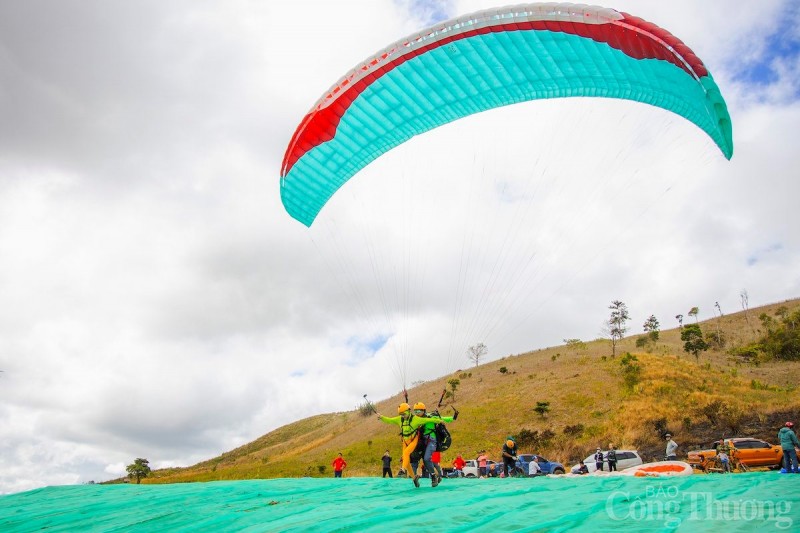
{"x": 485, "y": 60}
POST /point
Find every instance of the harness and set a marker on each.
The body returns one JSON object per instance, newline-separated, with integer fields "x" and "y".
{"x": 406, "y": 431}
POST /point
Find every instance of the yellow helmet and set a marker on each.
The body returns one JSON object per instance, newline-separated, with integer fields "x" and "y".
{"x": 419, "y": 406}
{"x": 402, "y": 408}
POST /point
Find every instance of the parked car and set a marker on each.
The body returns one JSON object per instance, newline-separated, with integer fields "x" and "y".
{"x": 547, "y": 467}
{"x": 625, "y": 459}
{"x": 492, "y": 468}
{"x": 751, "y": 452}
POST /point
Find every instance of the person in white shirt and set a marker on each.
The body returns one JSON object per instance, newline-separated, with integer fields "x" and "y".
{"x": 672, "y": 447}
{"x": 533, "y": 467}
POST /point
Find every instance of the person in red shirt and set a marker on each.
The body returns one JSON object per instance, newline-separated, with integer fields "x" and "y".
{"x": 458, "y": 465}
{"x": 339, "y": 464}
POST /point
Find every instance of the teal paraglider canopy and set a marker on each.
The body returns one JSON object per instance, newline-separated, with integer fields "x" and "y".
{"x": 485, "y": 60}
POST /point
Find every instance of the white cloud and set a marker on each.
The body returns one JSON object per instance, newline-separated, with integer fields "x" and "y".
{"x": 159, "y": 303}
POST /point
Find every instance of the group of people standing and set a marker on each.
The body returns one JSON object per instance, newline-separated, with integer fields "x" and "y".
{"x": 610, "y": 457}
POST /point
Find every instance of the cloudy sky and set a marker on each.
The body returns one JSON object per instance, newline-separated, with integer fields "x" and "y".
{"x": 157, "y": 301}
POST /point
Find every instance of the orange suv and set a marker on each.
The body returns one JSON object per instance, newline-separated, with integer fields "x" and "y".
{"x": 750, "y": 452}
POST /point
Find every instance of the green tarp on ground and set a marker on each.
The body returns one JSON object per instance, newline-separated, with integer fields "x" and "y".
{"x": 735, "y": 502}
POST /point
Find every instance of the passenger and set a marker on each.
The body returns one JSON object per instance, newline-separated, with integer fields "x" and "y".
{"x": 409, "y": 426}
{"x": 428, "y": 434}
{"x": 789, "y": 442}
{"x": 509, "y": 457}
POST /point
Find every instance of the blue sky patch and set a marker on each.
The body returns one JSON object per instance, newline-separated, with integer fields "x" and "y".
{"x": 782, "y": 46}
{"x": 430, "y": 11}
{"x": 364, "y": 348}
{"x": 758, "y": 255}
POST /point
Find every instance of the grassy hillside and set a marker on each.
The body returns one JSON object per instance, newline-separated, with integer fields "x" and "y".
{"x": 591, "y": 403}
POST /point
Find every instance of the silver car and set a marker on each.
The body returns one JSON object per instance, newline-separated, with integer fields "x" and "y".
{"x": 625, "y": 459}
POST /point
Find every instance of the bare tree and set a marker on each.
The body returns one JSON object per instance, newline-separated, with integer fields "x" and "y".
{"x": 719, "y": 318}
{"x": 746, "y": 307}
{"x": 476, "y": 353}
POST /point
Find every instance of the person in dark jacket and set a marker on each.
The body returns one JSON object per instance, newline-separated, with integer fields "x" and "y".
{"x": 789, "y": 442}
{"x": 387, "y": 464}
{"x": 509, "y": 457}
{"x": 611, "y": 457}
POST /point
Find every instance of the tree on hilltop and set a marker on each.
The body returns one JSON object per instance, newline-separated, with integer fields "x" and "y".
{"x": 476, "y": 353}
{"x": 616, "y": 323}
{"x": 693, "y": 341}
{"x": 138, "y": 469}
{"x": 652, "y": 328}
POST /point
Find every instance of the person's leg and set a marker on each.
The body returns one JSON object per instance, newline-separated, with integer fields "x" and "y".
{"x": 408, "y": 449}
{"x": 792, "y": 460}
{"x": 430, "y": 447}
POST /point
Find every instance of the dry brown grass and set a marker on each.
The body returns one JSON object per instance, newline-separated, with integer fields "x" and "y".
{"x": 583, "y": 387}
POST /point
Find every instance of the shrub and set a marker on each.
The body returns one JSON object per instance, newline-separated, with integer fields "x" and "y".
{"x": 660, "y": 425}
{"x": 713, "y": 411}
{"x": 748, "y": 352}
{"x": 733, "y": 416}
{"x": 526, "y": 438}
{"x": 534, "y": 439}
{"x": 542, "y": 408}
{"x": 631, "y": 371}
{"x": 757, "y": 385}
{"x": 716, "y": 340}
{"x": 366, "y": 408}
